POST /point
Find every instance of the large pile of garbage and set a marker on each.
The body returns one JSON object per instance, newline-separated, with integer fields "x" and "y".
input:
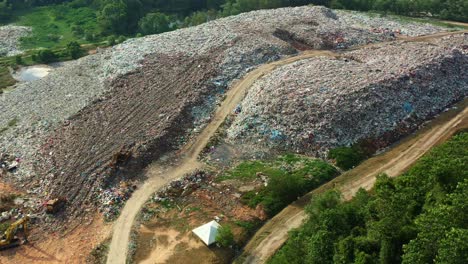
{"x": 9, "y": 39}
{"x": 379, "y": 91}
{"x": 77, "y": 126}
{"x": 113, "y": 199}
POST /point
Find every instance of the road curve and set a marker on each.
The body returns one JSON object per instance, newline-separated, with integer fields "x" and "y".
{"x": 394, "y": 162}
{"x": 159, "y": 175}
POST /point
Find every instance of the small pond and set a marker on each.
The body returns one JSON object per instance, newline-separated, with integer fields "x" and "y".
{"x": 32, "y": 73}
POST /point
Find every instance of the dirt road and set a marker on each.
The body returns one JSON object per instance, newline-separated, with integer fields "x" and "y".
{"x": 159, "y": 175}
{"x": 393, "y": 162}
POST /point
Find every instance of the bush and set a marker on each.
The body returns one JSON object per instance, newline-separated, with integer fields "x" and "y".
{"x": 346, "y": 157}
{"x": 74, "y": 50}
{"x": 45, "y": 56}
{"x": 225, "y": 237}
{"x": 18, "y": 59}
{"x": 111, "y": 40}
{"x": 121, "y": 39}
{"x": 4, "y": 227}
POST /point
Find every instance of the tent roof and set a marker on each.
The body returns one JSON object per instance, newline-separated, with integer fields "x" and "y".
{"x": 207, "y": 232}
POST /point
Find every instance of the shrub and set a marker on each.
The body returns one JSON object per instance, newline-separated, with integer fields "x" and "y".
{"x": 346, "y": 157}
{"x": 18, "y": 59}
{"x": 111, "y": 40}
{"x": 225, "y": 237}
{"x": 45, "y": 56}
{"x": 74, "y": 50}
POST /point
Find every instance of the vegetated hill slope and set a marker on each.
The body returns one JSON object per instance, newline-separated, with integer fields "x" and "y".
{"x": 137, "y": 97}
{"x": 376, "y": 93}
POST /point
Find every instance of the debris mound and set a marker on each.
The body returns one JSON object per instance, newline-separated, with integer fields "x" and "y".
{"x": 83, "y": 127}
{"x": 378, "y": 93}
{"x": 9, "y": 39}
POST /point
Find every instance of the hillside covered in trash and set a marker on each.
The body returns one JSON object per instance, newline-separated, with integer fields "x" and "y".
{"x": 373, "y": 96}
{"x": 103, "y": 118}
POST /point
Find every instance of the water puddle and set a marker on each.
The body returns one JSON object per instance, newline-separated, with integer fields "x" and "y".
{"x": 32, "y": 73}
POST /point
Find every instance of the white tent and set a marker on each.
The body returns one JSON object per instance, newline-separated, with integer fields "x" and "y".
{"x": 207, "y": 232}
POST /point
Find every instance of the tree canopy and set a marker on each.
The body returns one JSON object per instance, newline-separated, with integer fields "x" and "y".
{"x": 419, "y": 217}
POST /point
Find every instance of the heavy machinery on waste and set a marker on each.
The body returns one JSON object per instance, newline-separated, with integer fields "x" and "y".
{"x": 55, "y": 205}
{"x": 9, "y": 238}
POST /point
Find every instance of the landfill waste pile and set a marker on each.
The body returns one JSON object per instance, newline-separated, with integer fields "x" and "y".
{"x": 96, "y": 119}
{"x": 380, "y": 23}
{"x": 9, "y": 39}
{"x": 376, "y": 93}
{"x": 113, "y": 199}
{"x": 183, "y": 187}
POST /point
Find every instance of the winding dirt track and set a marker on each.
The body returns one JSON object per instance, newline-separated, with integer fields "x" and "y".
{"x": 159, "y": 175}
{"x": 394, "y": 162}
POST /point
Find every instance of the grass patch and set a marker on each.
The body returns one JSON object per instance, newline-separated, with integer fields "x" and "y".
{"x": 250, "y": 226}
{"x": 248, "y": 171}
{"x": 289, "y": 177}
{"x": 57, "y": 25}
{"x": 5, "y": 78}
{"x": 99, "y": 254}
{"x": 10, "y": 124}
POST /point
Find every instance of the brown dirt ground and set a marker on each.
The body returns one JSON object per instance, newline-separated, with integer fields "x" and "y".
{"x": 167, "y": 237}
{"x": 71, "y": 247}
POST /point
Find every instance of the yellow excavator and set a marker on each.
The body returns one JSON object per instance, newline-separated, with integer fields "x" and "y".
{"x": 9, "y": 239}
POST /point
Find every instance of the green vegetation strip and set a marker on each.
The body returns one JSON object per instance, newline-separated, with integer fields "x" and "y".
{"x": 288, "y": 177}
{"x": 419, "y": 217}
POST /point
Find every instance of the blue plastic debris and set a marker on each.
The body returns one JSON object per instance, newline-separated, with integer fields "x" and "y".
{"x": 408, "y": 107}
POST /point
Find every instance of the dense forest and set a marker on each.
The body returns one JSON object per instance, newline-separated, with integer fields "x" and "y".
{"x": 419, "y": 217}
{"x": 130, "y": 17}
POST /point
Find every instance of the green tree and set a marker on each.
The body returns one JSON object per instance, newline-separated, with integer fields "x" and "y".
{"x": 74, "y": 50}
{"x": 46, "y": 56}
{"x": 113, "y": 17}
{"x": 154, "y": 23}
{"x": 225, "y": 237}
{"x": 18, "y": 59}
{"x": 453, "y": 248}
{"x": 5, "y": 10}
